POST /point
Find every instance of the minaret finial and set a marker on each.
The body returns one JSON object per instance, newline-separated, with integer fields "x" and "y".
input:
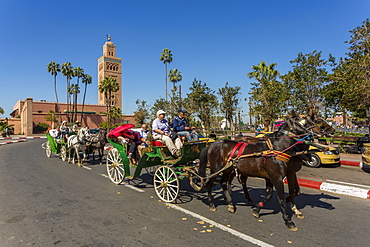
{"x": 108, "y": 37}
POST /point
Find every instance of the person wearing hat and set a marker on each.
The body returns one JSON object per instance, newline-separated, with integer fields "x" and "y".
{"x": 181, "y": 126}
{"x": 161, "y": 131}
{"x": 64, "y": 130}
{"x": 77, "y": 126}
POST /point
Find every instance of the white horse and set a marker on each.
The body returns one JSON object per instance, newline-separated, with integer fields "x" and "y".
{"x": 77, "y": 143}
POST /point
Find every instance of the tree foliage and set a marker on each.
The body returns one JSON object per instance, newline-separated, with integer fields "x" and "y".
{"x": 201, "y": 102}
{"x": 350, "y": 82}
{"x": 166, "y": 58}
{"x": 229, "y": 102}
{"x": 268, "y": 93}
{"x": 305, "y": 83}
{"x": 142, "y": 112}
{"x": 51, "y": 117}
{"x": 108, "y": 86}
{"x": 53, "y": 69}
{"x": 175, "y": 100}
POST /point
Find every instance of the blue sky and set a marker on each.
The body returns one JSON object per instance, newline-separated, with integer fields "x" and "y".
{"x": 215, "y": 41}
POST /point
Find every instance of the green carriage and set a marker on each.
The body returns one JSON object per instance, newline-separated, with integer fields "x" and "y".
{"x": 56, "y": 146}
{"x": 167, "y": 170}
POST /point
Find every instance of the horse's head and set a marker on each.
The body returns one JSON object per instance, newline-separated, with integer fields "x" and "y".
{"x": 320, "y": 126}
{"x": 84, "y": 133}
{"x": 310, "y": 124}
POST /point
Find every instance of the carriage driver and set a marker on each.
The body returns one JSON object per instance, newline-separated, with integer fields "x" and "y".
{"x": 77, "y": 126}
{"x": 161, "y": 131}
{"x": 181, "y": 126}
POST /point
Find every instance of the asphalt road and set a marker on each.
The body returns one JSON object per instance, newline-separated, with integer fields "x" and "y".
{"x": 48, "y": 202}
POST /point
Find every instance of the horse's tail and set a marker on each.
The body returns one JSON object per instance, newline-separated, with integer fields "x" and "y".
{"x": 198, "y": 181}
{"x": 203, "y": 160}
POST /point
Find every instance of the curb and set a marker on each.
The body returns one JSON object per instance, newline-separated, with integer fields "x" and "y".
{"x": 4, "y": 143}
{"x": 22, "y": 137}
{"x": 350, "y": 163}
{"x": 349, "y": 189}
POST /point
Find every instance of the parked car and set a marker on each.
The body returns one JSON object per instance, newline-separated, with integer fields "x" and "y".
{"x": 366, "y": 154}
{"x": 327, "y": 157}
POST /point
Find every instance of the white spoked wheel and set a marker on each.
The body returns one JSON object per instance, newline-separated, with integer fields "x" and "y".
{"x": 48, "y": 150}
{"x": 115, "y": 168}
{"x": 166, "y": 184}
{"x": 63, "y": 153}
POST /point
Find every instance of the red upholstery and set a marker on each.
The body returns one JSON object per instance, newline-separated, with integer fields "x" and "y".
{"x": 156, "y": 143}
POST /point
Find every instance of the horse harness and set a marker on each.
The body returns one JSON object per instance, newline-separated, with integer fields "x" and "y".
{"x": 233, "y": 159}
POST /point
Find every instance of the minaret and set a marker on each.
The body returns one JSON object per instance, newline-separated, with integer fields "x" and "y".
{"x": 110, "y": 66}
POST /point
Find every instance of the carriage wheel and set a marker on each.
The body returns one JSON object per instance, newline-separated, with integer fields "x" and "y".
{"x": 63, "y": 153}
{"x": 166, "y": 184}
{"x": 48, "y": 150}
{"x": 115, "y": 168}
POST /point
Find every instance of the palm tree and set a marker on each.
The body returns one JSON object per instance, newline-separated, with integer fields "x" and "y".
{"x": 86, "y": 79}
{"x": 108, "y": 86}
{"x": 67, "y": 71}
{"x": 267, "y": 92}
{"x": 115, "y": 113}
{"x": 54, "y": 68}
{"x": 77, "y": 72}
{"x": 1, "y": 110}
{"x": 166, "y": 57}
{"x": 174, "y": 76}
{"x": 74, "y": 90}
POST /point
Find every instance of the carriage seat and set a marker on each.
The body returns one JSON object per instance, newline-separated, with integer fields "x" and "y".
{"x": 156, "y": 143}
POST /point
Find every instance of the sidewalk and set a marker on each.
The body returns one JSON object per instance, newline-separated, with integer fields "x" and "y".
{"x": 339, "y": 187}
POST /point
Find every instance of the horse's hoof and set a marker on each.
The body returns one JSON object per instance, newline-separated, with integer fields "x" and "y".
{"x": 256, "y": 214}
{"x": 300, "y": 216}
{"x": 250, "y": 203}
{"x": 213, "y": 208}
{"x": 292, "y": 227}
{"x": 231, "y": 208}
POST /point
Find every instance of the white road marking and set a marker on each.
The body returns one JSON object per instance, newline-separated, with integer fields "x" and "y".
{"x": 126, "y": 184}
{"x": 222, "y": 227}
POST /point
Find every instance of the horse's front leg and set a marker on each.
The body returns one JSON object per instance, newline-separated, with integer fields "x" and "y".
{"x": 279, "y": 186}
{"x": 294, "y": 191}
{"x": 269, "y": 190}
{"x": 226, "y": 187}
{"x": 243, "y": 181}
{"x": 86, "y": 153}
{"x": 101, "y": 152}
{"x": 79, "y": 163}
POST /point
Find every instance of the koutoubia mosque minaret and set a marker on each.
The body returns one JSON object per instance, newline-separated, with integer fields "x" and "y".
{"x": 110, "y": 66}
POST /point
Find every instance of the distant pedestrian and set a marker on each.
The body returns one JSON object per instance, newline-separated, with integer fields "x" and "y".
{"x": 7, "y": 132}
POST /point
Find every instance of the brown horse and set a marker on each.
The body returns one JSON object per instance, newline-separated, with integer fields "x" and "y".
{"x": 267, "y": 158}
{"x": 97, "y": 142}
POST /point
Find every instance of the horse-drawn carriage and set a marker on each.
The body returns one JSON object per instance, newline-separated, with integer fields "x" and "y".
{"x": 55, "y": 145}
{"x": 69, "y": 148}
{"x": 157, "y": 161}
